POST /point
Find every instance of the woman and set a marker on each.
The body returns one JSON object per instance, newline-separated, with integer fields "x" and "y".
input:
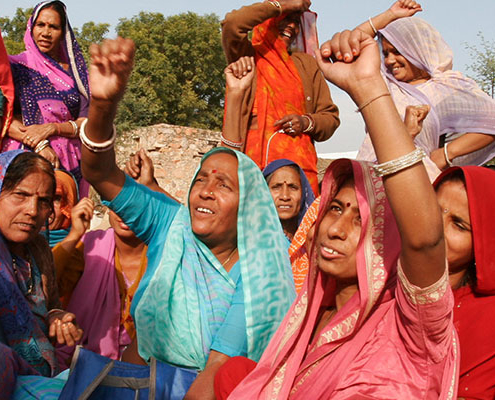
{"x": 28, "y": 294}
{"x": 52, "y": 91}
{"x": 417, "y": 64}
{"x": 466, "y": 198}
{"x": 222, "y": 261}
{"x": 106, "y": 266}
{"x": 367, "y": 323}
{"x": 291, "y": 193}
{"x": 66, "y": 197}
{"x": 288, "y": 107}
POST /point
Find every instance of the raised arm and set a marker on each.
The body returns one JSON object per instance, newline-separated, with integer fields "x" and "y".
{"x": 409, "y": 191}
{"x": 239, "y": 76}
{"x": 111, "y": 66}
{"x": 400, "y": 9}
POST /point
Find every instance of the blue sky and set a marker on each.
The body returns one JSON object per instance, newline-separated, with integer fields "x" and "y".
{"x": 458, "y": 22}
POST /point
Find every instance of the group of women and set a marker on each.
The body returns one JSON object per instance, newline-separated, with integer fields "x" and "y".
{"x": 393, "y": 274}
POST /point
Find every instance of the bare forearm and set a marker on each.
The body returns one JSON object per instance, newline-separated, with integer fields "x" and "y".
{"x": 232, "y": 124}
{"x": 468, "y": 143}
{"x": 202, "y": 387}
{"x": 379, "y": 21}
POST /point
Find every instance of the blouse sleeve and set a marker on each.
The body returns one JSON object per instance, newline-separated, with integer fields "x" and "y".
{"x": 69, "y": 268}
{"x": 149, "y": 214}
{"x": 425, "y": 316}
{"x": 231, "y": 338}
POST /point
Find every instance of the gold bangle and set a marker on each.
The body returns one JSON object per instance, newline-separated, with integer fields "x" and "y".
{"x": 311, "y": 123}
{"x": 275, "y": 3}
{"x": 371, "y": 101}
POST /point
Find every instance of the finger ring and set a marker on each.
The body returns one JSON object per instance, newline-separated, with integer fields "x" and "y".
{"x": 291, "y": 130}
{"x": 290, "y": 124}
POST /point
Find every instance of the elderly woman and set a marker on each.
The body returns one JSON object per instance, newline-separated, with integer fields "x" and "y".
{"x": 222, "y": 260}
{"x": 374, "y": 318}
{"x": 28, "y": 293}
{"x": 288, "y": 106}
{"x": 466, "y": 198}
{"x": 291, "y": 192}
{"x": 52, "y": 91}
{"x": 417, "y": 64}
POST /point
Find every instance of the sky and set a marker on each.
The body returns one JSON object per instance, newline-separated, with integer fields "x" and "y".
{"x": 458, "y": 21}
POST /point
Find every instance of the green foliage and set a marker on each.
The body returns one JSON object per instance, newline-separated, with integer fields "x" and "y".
{"x": 178, "y": 74}
{"x": 13, "y": 30}
{"x": 483, "y": 65}
{"x": 90, "y": 33}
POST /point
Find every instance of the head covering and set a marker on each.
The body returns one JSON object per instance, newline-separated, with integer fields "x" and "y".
{"x": 20, "y": 328}
{"x": 307, "y": 193}
{"x": 457, "y": 103}
{"x": 7, "y": 88}
{"x": 48, "y": 93}
{"x": 196, "y": 285}
{"x": 279, "y": 92}
{"x": 293, "y": 365}
{"x": 307, "y": 39}
{"x": 475, "y": 304}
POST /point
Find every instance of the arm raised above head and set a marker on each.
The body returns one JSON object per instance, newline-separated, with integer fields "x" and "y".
{"x": 111, "y": 66}
{"x": 409, "y": 191}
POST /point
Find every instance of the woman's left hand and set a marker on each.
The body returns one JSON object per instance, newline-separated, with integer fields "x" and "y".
{"x": 64, "y": 328}
{"x": 292, "y": 124}
{"x": 37, "y": 133}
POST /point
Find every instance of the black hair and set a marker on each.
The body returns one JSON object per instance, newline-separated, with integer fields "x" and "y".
{"x": 59, "y": 7}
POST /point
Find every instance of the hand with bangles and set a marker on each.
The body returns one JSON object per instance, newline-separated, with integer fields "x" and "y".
{"x": 294, "y": 124}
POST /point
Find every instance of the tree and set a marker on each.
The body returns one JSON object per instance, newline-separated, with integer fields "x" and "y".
{"x": 13, "y": 30}
{"x": 483, "y": 65}
{"x": 90, "y": 33}
{"x": 178, "y": 74}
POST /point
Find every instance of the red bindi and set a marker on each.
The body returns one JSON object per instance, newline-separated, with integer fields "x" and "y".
{"x": 213, "y": 171}
{"x": 348, "y": 204}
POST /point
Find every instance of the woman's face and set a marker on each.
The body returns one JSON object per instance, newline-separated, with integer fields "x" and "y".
{"x": 285, "y": 187}
{"x": 214, "y": 199}
{"x": 399, "y": 66}
{"x": 289, "y": 28}
{"x": 48, "y": 31}
{"x": 453, "y": 200}
{"x": 26, "y": 208}
{"x": 338, "y": 236}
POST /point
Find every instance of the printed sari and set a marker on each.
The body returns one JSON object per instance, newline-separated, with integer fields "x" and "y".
{"x": 7, "y": 91}
{"x": 48, "y": 93}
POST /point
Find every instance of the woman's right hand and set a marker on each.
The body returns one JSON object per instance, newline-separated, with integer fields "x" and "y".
{"x": 405, "y": 8}
{"x": 111, "y": 66}
{"x": 81, "y": 216}
{"x": 51, "y": 156}
{"x": 290, "y": 6}
{"x": 239, "y": 74}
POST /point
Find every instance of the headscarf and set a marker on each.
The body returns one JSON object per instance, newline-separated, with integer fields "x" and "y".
{"x": 20, "y": 328}
{"x": 7, "y": 88}
{"x": 48, "y": 93}
{"x": 307, "y": 193}
{"x": 293, "y": 365}
{"x": 457, "y": 103}
{"x": 279, "y": 92}
{"x": 69, "y": 196}
{"x": 189, "y": 295}
{"x": 475, "y": 304}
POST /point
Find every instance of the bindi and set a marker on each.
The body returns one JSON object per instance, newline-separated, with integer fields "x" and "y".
{"x": 213, "y": 171}
{"x": 348, "y": 205}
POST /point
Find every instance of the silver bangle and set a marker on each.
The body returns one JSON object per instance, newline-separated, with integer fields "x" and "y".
{"x": 275, "y": 3}
{"x": 41, "y": 146}
{"x": 93, "y": 146}
{"x": 446, "y": 154}
{"x": 230, "y": 143}
{"x": 75, "y": 128}
{"x": 403, "y": 162}
{"x": 372, "y": 26}
{"x": 311, "y": 124}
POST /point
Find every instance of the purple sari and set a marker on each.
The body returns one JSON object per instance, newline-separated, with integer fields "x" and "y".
{"x": 48, "y": 94}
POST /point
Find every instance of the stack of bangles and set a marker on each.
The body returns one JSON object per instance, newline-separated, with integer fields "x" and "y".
{"x": 230, "y": 143}
{"x": 403, "y": 162}
{"x": 93, "y": 146}
{"x": 311, "y": 123}
{"x": 41, "y": 146}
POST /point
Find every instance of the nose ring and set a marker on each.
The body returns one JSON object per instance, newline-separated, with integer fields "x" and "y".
{"x": 211, "y": 193}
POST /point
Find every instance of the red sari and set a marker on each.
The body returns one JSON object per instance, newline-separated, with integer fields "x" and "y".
{"x": 474, "y": 307}
{"x": 7, "y": 87}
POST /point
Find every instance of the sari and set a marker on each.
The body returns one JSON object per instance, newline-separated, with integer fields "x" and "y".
{"x": 475, "y": 304}
{"x": 390, "y": 340}
{"x": 7, "y": 91}
{"x": 457, "y": 103}
{"x": 190, "y": 293}
{"x": 48, "y": 93}
{"x": 307, "y": 196}
{"x": 23, "y": 326}
{"x": 279, "y": 92}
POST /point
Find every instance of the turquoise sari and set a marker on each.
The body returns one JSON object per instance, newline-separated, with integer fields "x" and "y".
{"x": 190, "y": 293}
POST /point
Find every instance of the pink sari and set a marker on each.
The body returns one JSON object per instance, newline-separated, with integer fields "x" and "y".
{"x": 390, "y": 340}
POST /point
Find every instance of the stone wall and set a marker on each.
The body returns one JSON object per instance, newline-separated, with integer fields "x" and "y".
{"x": 174, "y": 150}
